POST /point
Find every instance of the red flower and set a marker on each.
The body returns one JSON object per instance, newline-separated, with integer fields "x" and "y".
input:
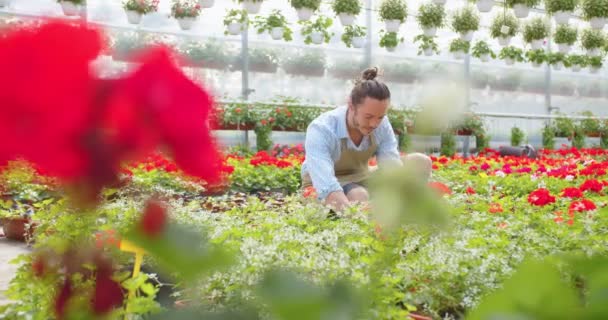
{"x": 108, "y": 293}
{"x": 470, "y": 190}
{"x": 572, "y": 192}
{"x": 495, "y": 208}
{"x": 441, "y": 188}
{"x": 485, "y": 166}
{"x": 581, "y": 206}
{"x": 592, "y": 185}
{"x": 540, "y": 197}
{"x": 154, "y": 219}
{"x": 263, "y": 122}
{"x": 473, "y": 169}
{"x": 237, "y": 110}
{"x": 310, "y": 192}
{"x": 61, "y": 300}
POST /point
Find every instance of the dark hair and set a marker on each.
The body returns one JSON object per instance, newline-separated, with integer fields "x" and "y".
{"x": 368, "y": 86}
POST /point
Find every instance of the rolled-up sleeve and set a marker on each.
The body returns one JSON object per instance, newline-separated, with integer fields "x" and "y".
{"x": 319, "y": 162}
{"x": 388, "y": 148}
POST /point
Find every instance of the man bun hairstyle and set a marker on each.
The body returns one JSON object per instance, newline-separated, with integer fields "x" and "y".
{"x": 368, "y": 86}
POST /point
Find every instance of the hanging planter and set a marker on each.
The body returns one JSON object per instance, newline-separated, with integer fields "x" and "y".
{"x": 390, "y": 41}
{"x": 481, "y": 50}
{"x": 465, "y": 21}
{"x": 503, "y": 28}
{"x": 135, "y": 9}
{"x": 577, "y": 62}
{"x": 535, "y": 31}
{"x": 346, "y": 10}
{"x": 308, "y": 63}
{"x": 18, "y": 228}
{"x": 305, "y": 8}
{"x": 537, "y": 57}
{"x": 521, "y": 8}
{"x": 275, "y": 24}
{"x": 70, "y": 7}
{"x": 565, "y": 36}
{"x": 354, "y": 36}
{"x": 430, "y": 17}
{"x": 593, "y": 41}
{"x": 427, "y": 45}
{"x": 235, "y": 21}
{"x": 186, "y": 13}
{"x": 317, "y": 31}
{"x": 485, "y": 5}
{"x": 252, "y": 6}
{"x": 393, "y": 13}
{"x": 561, "y": 10}
{"x": 440, "y": 2}
{"x": 459, "y": 48}
{"x": 511, "y": 55}
{"x": 206, "y": 3}
{"x": 557, "y": 60}
{"x": 595, "y": 64}
{"x": 595, "y": 11}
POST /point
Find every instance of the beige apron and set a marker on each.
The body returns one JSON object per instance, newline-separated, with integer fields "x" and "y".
{"x": 352, "y": 166}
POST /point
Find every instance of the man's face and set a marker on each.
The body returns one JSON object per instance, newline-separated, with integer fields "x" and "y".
{"x": 366, "y": 116}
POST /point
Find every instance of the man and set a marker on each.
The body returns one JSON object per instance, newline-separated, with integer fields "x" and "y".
{"x": 339, "y": 144}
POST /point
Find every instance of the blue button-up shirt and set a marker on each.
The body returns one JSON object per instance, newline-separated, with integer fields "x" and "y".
{"x": 323, "y": 148}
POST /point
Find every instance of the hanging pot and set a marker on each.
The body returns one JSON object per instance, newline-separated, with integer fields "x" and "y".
{"x": 430, "y": 32}
{"x": 504, "y": 41}
{"x": 509, "y": 61}
{"x": 485, "y": 5}
{"x": 521, "y": 10}
{"x": 276, "y": 33}
{"x": 235, "y": 28}
{"x": 186, "y": 23}
{"x": 428, "y": 52}
{"x": 562, "y": 17}
{"x": 358, "y": 42}
{"x": 133, "y": 17}
{"x": 304, "y": 14}
{"x": 439, "y": 2}
{"x": 467, "y": 36}
{"x": 252, "y": 7}
{"x": 70, "y": 9}
{"x": 206, "y": 3}
{"x": 392, "y": 25}
{"x": 485, "y": 57}
{"x": 391, "y": 49}
{"x": 459, "y": 55}
{"x": 317, "y": 37}
{"x": 347, "y": 19}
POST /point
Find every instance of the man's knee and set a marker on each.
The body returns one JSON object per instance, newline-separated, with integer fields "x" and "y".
{"x": 420, "y": 162}
{"x": 358, "y": 194}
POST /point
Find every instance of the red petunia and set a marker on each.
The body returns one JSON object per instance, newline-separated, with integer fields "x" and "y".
{"x": 540, "y": 197}
{"x": 470, "y": 190}
{"x": 571, "y": 192}
{"x": 582, "y": 206}
{"x": 592, "y": 185}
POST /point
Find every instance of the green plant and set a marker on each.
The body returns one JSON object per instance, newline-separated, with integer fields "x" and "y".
{"x": 274, "y": 20}
{"x": 263, "y": 132}
{"x": 566, "y": 34}
{"x": 535, "y": 29}
{"x": 346, "y": 6}
{"x": 141, "y": 6}
{"x": 517, "y": 136}
{"x": 555, "y": 58}
{"x": 350, "y": 32}
{"x": 431, "y": 15}
{"x": 578, "y": 138}
{"x": 528, "y": 3}
{"x": 594, "y": 9}
{"x": 512, "y": 53}
{"x": 390, "y": 39}
{"x": 236, "y": 16}
{"x": 393, "y": 10}
{"x": 536, "y": 56}
{"x": 470, "y": 122}
{"x": 548, "y": 137}
{"x": 465, "y": 19}
{"x": 321, "y": 25}
{"x": 185, "y": 9}
{"x": 448, "y": 144}
{"x": 426, "y": 42}
{"x": 564, "y": 126}
{"x": 592, "y": 39}
{"x": 457, "y": 45}
{"x": 595, "y": 62}
{"x": 578, "y": 60}
{"x": 314, "y": 5}
{"x": 590, "y": 125}
{"x": 22, "y": 182}
{"x": 553, "y": 6}
{"x": 482, "y": 142}
{"x": 481, "y": 48}
{"x": 604, "y": 135}
{"x": 500, "y": 20}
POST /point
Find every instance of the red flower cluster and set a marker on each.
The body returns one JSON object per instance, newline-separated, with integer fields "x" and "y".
{"x": 281, "y": 151}
{"x": 441, "y": 188}
{"x": 582, "y": 206}
{"x": 571, "y": 192}
{"x": 263, "y": 158}
{"x": 592, "y": 185}
{"x": 540, "y": 197}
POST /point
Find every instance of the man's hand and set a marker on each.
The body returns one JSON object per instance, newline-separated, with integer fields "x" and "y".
{"x": 337, "y": 200}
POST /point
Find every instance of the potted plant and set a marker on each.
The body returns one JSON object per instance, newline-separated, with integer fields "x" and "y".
{"x": 448, "y": 144}
{"x": 430, "y": 18}
{"x": 517, "y": 136}
{"x": 235, "y": 21}
{"x": 593, "y": 41}
{"x": 393, "y": 13}
{"x": 71, "y": 7}
{"x": 345, "y": 69}
{"x": 135, "y": 9}
{"x": 504, "y": 27}
{"x": 354, "y": 36}
{"x": 210, "y": 55}
{"x": 470, "y": 124}
{"x": 596, "y": 12}
{"x": 402, "y": 72}
{"x": 482, "y": 51}
{"x": 275, "y": 24}
{"x": 465, "y": 21}
{"x": 427, "y": 45}
{"x": 577, "y": 62}
{"x": 557, "y": 60}
{"x": 305, "y": 8}
{"x": 595, "y": 64}
{"x": 307, "y": 63}
{"x": 565, "y": 36}
{"x": 186, "y": 12}
{"x": 251, "y": 6}
{"x": 521, "y": 8}
{"x": 206, "y": 3}
{"x": 561, "y": 10}
{"x": 511, "y": 55}
{"x": 390, "y": 40}
{"x": 483, "y": 5}
{"x": 261, "y": 60}
{"x": 591, "y": 125}
{"x": 317, "y": 31}
{"x": 548, "y": 137}
{"x": 535, "y": 31}
{"x": 536, "y": 57}
{"x": 16, "y": 221}
{"x": 564, "y": 127}
{"x": 459, "y": 48}
{"x": 346, "y": 10}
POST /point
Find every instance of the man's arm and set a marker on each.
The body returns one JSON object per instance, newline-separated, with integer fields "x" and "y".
{"x": 388, "y": 148}
{"x": 320, "y": 166}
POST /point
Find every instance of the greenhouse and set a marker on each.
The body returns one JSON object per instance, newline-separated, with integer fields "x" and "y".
{"x": 303, "y": 159}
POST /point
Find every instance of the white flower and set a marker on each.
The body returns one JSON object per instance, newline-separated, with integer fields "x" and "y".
{"x": 499, "y": 173}
{"x": 569, "y": 178}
